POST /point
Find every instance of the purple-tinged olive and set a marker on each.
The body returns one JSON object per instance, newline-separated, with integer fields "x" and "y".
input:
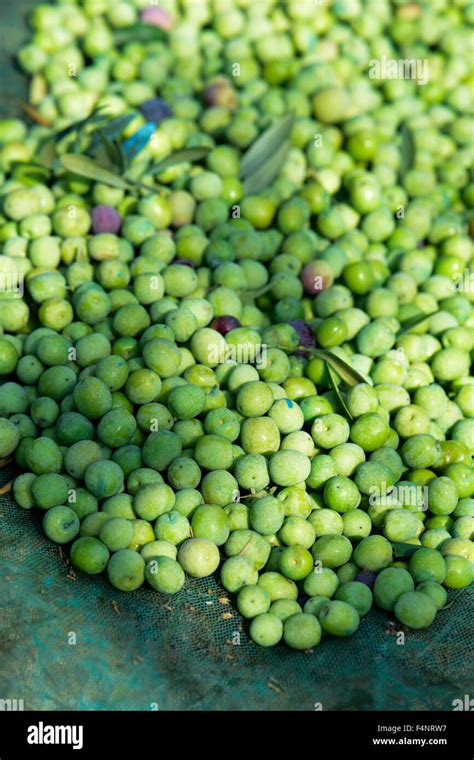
{"x": 316, "y": 277}
{"x": 220, "y": 93}
{"x": 105, "y": 219}
{"x": 157, "y": 17}
{"x": 366, "y": 576}
{"x": 305, "y": 333}
{"x": 155, "y": 110}
{"x": 224, "y": 324}
{"x": 185, "y": 262}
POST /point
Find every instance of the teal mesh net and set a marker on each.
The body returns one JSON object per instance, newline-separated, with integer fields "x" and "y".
{"x": 74, "y": 642}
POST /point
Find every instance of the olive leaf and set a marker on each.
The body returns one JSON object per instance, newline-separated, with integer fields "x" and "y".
{"x": 114, "y": 151}
{"x": 76, "y": 126}
{"x": 95, "y": 116}
{"x": 264, "y": 148}
{"x": 403, "y": 550}
{"x": 122, "y": 162}
{"x": 30, "y": 173}
{"x": 139, "y": 33}
{"x": 413, "y": 322}
{"x": 335, "y": 387}
{"x": 251, "y": 295}
{"x": 108, "y": 154}
{"x": 263, "y": 176}
{"x": 112, "y": 129}
{"x": 347, "y": 373}
{"x": 47, "y": 153}
{"x": 181, "y": 156}
{"x": 87, "y": 167}
{"x": 407, "y": 150}
{"x": 34, "y": 114}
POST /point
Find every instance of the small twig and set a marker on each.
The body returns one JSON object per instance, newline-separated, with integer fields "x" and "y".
{"x": 64, "y": 557}
{"x": 272, "y": 684}
{"x": 6, "y": 488}
{"x": 34, "y": 114}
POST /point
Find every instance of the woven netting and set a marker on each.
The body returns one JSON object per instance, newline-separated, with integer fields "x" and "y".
{"x": 74, "y": 642}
